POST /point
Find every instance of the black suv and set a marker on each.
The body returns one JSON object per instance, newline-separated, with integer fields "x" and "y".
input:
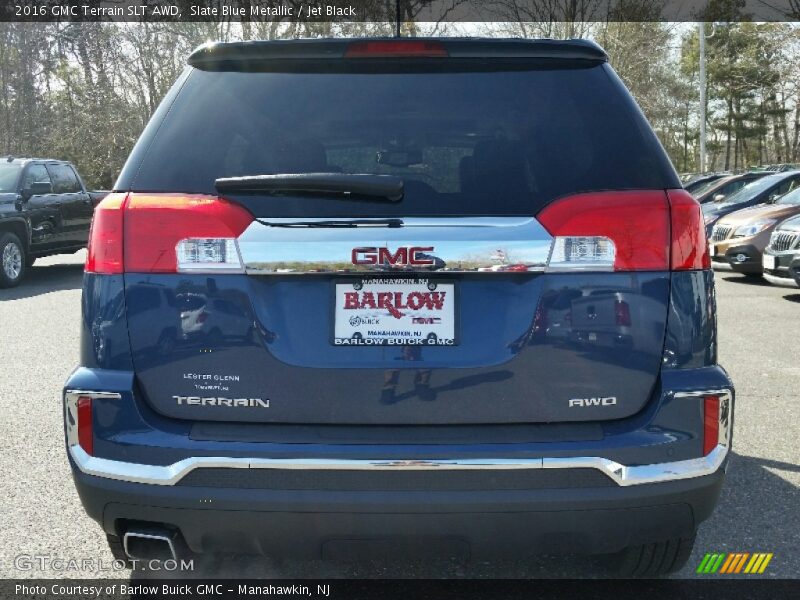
{"x": 375, "y": 295}
{"x": 44, "y": 209}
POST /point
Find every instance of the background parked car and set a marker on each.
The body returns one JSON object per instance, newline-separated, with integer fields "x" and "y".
{"x": 45, "y": 209}
{"x": 794, "y": 269}
{"x": 782, "y": 250}
{"x": 762, "y": 191}
{"x": 740, "y": 238}
{"x": 694, "y": 181}
{"x": 718, "y": 189}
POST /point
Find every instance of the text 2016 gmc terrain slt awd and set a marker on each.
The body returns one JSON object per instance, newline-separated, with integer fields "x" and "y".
{"x": 445, "y": 294}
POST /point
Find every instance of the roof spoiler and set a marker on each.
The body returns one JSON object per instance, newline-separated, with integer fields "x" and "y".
{"x": 215, "y": 55}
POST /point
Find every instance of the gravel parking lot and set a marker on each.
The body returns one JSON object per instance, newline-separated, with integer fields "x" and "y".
{"x": 41, "y": 513}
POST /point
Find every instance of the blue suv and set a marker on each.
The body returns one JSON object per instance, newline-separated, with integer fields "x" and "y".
{"x": 436, "y": 293}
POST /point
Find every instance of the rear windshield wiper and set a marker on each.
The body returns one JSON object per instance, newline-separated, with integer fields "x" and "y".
{"x": 349, "y": 186}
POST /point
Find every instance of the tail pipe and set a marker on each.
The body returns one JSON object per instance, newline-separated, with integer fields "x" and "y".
{"x": 153, "y": 542}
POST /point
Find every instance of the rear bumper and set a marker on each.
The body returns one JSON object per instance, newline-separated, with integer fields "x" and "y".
{"x": 324, "y": 523}
{"x": 637, "y": 480}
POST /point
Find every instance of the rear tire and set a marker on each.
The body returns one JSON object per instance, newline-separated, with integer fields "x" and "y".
{"x": 13, "y": 260}
{"x": 654, "y": 560}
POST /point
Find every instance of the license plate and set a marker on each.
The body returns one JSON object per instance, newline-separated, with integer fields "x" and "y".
{"x": 712, "y": 251}
{"x": 768, "y": 261}
{"x": 395, "y": 312}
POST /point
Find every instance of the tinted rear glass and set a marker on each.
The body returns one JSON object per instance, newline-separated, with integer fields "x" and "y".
{"x": 466, "y": 142}
{"x": 9, "y": 173}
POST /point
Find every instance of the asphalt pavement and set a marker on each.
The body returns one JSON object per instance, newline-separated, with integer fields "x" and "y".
{"x": 44, "y": 532}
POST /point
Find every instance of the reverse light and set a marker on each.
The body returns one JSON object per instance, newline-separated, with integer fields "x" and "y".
{"x": 208, "y": 254}
{"x": 395, "y": 48}
{"x": 595, "y": 253}
{"x": 85, "y": 425}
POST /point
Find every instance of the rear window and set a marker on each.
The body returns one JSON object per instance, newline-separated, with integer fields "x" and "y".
{"x": 465, "y": 142}
{"x": 9, "y": 173}
{"x": 64, "y": 179}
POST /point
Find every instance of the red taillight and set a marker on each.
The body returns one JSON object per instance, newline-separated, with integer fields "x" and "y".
{"x": 395, "y": 48}
{"x": 689, "y": 247}
{"x": 156, "y": 223}
{"x": 105, "y": 237}
{"x": 710, "y": 423}
{"x": 637, "y": 222}
{"x": 622, "y": 313}
{"x": 85, "y": 433}
{"x": 648, "y": 230}
{"x": 146, "y": 233}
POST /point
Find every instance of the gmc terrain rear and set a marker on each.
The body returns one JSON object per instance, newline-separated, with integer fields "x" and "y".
{"x": 367, "y": 294}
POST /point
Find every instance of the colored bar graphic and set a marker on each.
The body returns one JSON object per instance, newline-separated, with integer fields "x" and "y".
{"x": 727, "y": 565}
{"x": 722, "y": 563}
{"x": 740, "y": 564}
{"x": 763, "y": 566}
{"x": 756, "y": 558}
{"x": 701, "y": 568}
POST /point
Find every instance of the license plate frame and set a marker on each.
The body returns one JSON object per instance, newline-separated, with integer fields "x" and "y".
{"x": 448, "y": 320}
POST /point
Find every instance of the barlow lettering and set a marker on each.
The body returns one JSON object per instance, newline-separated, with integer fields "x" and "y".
{"x": 394, "y": 302}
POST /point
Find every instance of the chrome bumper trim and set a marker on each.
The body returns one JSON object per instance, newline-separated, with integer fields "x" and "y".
{"x": 623, "y": 475}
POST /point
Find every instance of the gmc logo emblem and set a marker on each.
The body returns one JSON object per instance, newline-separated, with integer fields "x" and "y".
{"x": 402, "y": 256}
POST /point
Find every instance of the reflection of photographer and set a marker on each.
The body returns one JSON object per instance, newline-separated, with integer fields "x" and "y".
{"x": 422, "y": 378}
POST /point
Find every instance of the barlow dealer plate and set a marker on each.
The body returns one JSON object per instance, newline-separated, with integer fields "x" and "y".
{"x": 410, "y": 311}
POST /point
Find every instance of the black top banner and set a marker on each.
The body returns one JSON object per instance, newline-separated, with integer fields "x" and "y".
{"x": 400, "y": 11}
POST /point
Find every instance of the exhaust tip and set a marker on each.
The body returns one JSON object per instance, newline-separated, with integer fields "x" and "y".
{"x": 148, "y": 543}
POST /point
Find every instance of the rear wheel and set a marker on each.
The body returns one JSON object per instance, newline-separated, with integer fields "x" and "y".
{"x": 13, "y": 261}
{"x": 654, "y": 560}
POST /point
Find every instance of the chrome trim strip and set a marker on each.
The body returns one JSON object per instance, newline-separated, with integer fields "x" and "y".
{"x": 623, "y": 475}
{"x": 485, "y": 245}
